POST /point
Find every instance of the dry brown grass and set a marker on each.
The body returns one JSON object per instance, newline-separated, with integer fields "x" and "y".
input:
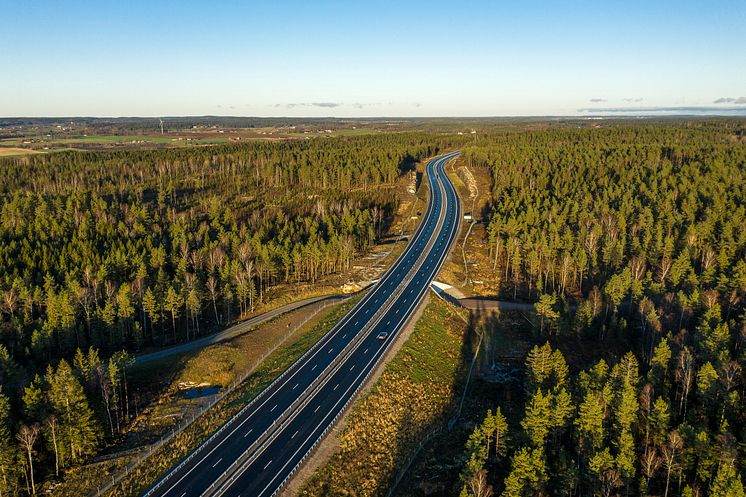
{"x": 482, "y": 279}
{"x": 413, "y": 396}
{"x": 11, "y": 151}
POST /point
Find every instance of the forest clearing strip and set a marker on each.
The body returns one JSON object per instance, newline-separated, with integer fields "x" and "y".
{"x": 224, "y": 482}
{"x": 350, "y": 315}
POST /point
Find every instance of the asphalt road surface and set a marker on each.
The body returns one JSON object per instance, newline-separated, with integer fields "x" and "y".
{"x": 256, "y": 452}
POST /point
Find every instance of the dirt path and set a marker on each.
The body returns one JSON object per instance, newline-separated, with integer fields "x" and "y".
{"x": 236, "y": 330}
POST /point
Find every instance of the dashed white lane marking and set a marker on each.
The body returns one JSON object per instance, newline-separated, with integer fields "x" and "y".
{"x": 273, "y": 408}
{"x": 315, "y": 410}
{"x": 336, "y": 386}
{"x": 296, "y": 386}
{"x": 217, "y": 462}
{"x": 294, "y": 435}
{"x": 365, "y": 351}
{"x": 267, "y": 465}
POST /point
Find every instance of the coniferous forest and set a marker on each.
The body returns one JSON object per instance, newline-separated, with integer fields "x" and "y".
{"x": 630, "y": 239}
{"x": 103, "y": 254}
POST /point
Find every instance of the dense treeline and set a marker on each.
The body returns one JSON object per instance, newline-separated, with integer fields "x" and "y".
{"x": 343, "y": 163}
{"x": 639, "y": 224}
{"x": 615, "y": 430}
{"x": 633, "y": 237}
{"x": 103, "y": 252}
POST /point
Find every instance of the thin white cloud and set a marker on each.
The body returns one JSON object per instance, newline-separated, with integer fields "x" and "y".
{"x": 328, "y": 105}
{"x": 731, "y": 100}
{"x": 685, "y": 110}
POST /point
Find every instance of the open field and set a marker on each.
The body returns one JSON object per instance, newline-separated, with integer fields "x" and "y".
{"x": 50, "y": 143}
{"x": 84, "y": 134}
{"x": 13, "y": 151}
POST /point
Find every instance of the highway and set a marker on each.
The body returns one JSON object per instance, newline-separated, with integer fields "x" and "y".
{"x": 256, "y": 452}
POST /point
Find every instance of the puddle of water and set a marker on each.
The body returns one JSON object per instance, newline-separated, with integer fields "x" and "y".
{"x": 197, "y": 392}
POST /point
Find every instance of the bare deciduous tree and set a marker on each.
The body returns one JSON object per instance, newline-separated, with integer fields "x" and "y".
{"x": 27, "y": 436}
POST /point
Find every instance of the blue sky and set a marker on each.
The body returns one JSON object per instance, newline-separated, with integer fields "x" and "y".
{"x": 279, "y": 58}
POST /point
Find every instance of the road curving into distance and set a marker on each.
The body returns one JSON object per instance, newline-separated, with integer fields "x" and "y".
{"x": 258, "y": 450}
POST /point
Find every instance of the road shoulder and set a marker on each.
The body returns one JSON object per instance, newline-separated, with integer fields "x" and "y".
{"x": 330, "y": 445}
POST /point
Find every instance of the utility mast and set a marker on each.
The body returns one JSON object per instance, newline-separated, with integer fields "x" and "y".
{"x": 161, "y": 121}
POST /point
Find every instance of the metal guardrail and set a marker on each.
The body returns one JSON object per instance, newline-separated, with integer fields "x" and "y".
{"x": 220, "y": 396}
{"x": 291, "y": 412}
{"x": 212, "y": 401}
{"x": 282, "y": 375}
{"x": 310, "y": 451}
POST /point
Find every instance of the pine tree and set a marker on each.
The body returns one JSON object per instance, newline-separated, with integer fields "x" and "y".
{"x": 626, "y": 456}
{"x": 546, "y": 368}
{"x": 627, "y": 407}
{"x": 125, "y": 307}
{"x": 498, "y": 427}
{"x": 539, "y": 365}
{"x": 660, "y": 366}
{"x": 537, "y": 420}
{"x": 527, "y": 473}
{"x": 590, "y": 423}
{"x": 8, "y": 463}
{"x": 173, "y": 304}
{"x": 79, "y": 434}
{"x": 561, "y": 409}
{"x": 151, "y": 309}
{"x": 602, "y": 464}
{"x": 545, "y": 308}
{"x": 659, "y": 421}
{"x": 34, "y": 402}
{"x": 707, "y": 388}
{"x": 727, "y": 482}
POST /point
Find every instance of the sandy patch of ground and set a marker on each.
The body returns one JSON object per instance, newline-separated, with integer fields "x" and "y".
{"x": 469, "y": 268}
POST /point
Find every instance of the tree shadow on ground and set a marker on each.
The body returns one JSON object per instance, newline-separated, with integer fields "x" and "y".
{"x": 496, "y": 380}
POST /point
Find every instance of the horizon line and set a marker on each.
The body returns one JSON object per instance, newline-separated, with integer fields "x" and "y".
{"x": 607, "y": 113}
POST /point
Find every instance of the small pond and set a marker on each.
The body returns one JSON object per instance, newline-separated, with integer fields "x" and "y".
{"x": 198, "y": 392}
